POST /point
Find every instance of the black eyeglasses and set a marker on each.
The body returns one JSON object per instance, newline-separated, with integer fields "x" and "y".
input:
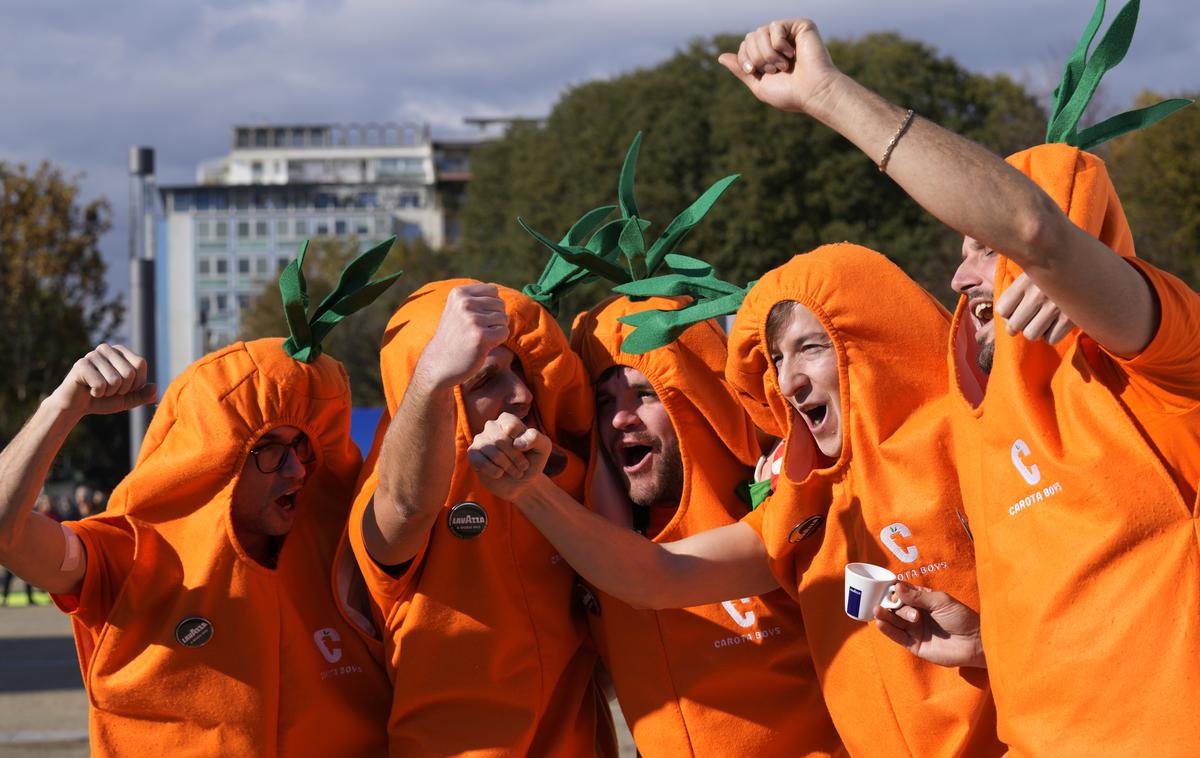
{"x": 270, "y": 457}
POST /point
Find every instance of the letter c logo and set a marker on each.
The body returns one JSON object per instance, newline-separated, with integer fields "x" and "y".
{"x": 322, "y": 638}
{"x": 744, "y": 621}
{"x": 888, "y": 535}
{"x": 1030, "y": 474}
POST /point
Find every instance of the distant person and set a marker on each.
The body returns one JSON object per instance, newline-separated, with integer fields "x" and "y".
{"x": 98, "y": 501}
{"x": 81, "y": 502}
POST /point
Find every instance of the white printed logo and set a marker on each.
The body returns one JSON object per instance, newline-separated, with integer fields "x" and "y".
{"x": 322, "y": 638}
{"x": 888, "y": 535}
{"x": 1029, "y": 473}
{"x": 744, "y": 621}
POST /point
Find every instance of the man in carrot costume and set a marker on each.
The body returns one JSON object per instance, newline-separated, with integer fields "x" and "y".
{"x": 485, "y": 651}
{"x": 203, "y": 599}
{"x": 732, "y": 678}
{"x": 1079, "y": 460}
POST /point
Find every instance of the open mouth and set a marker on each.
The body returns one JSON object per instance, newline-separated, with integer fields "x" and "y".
{"x": 815, "y": 415}
{"x": 287, "y": 503}
{"x": 982, "y": 311}
{"x": 633, "y": 456}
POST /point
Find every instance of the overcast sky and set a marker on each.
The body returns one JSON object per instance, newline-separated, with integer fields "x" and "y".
{"x": 80, "y": 82}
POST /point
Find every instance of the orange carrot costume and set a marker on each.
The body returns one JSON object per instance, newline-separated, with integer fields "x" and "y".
{"x": 484, "y": 650}
{"x": 732, "y": 678}
{"x": 190, "y": 647}
{"x": 890, "y": 499}
{"x": 1079, "y": 472}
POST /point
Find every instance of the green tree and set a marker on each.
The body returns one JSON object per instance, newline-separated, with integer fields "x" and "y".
{"x": 54, "y": 305}
{"x": 1157, "y": 173}
{"x": 802, "y": 185}
{"x": 355, "y": 342}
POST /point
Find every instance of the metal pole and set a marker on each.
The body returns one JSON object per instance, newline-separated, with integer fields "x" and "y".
{"x": 141, "y": 284}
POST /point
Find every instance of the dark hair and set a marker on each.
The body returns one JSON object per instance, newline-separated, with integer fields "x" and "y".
{"x": 777, "y": 320}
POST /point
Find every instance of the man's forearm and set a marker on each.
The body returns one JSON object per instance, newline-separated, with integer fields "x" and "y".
{"x": 962, "y": 184}
{"x": 24, "y": 464}
{"x": 416, "y": 463}
{"x": 979, "y": 195}
{"x": 645, "y": 574}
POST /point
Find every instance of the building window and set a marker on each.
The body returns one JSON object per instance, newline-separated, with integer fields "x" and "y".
{"x": 243, "y": 229}
{"x": 260, "y": 229}
{"x": 243, "y": 266}
{"x": 282, "y": 263}
{"x": 183, "y": 201}
{"x": 260, "y": 266}
{"x": 339, "y": 227}
{"x": 300, "y": 227}
{"x": 202, "y": 230}
{"x": 222, "y": 267}
{"x": 362, "y": 227}
{"x": 243, "y": 302}
{"x": 322, "y": 228}
{"x": 281, "y": 228}
{"x": 410, "y": 200}
{"x": 383, "y": 226}
{"x": 222, "y": 231}
{"x": 297, "y": 137}
{"x": 203, "y": 266}
{"x": 222, "y": 301}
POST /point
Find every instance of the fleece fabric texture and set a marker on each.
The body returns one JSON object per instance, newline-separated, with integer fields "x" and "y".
{"x": 1078, "y": 473}
{"x": 284, "y": 672}
{"x": 732, "y": 678}
{"x": 486, "y": 652}
{"x": 889, "y": 499}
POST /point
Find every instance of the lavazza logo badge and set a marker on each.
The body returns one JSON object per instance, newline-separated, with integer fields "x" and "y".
{"x": 467, "y": 520}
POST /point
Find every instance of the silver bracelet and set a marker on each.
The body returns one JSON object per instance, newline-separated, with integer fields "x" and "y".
{"x": 887, "y": 151}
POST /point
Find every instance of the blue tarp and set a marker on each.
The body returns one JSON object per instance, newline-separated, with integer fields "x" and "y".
{"x": 362, "y": 427}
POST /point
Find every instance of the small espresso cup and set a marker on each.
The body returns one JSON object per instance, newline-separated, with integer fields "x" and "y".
{"x": 867, "y": 586}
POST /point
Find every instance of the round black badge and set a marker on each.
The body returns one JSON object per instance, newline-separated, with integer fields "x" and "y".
{"x": 467, "y": 520}
{"x": 193, "y": 631}
{"x": 805, "y": 528}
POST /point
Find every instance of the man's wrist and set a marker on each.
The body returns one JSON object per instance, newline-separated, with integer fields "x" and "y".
{"x": 60, "y": 409}
{"x": 825, "y": 101}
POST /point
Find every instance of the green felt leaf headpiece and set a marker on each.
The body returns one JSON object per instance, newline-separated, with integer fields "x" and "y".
{"x": 354, "y": 291}
{"x": 572, "y": 262}
{"x": 1082, "y": 75}
{"x": 711, "y": 298}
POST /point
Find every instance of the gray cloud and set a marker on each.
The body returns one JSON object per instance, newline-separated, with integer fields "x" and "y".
{"x": 81, "y": 82}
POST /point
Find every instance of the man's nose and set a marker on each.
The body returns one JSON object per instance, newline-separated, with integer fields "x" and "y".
{"x": 792, "y": 380}
{"x": 624, "y": 419}
{"x": 966, "y": 276}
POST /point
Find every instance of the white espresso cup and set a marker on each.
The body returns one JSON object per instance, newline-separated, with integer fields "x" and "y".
{"x": 867, "y": 586}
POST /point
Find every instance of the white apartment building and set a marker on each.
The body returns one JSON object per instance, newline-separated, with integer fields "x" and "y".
{"x": 223, "y": 239}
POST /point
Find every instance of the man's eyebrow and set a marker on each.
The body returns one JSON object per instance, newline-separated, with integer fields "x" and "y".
{"x": 485, "y": 371}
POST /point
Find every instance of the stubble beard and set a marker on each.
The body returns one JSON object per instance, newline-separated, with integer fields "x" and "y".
{"x": 664, "y": 487}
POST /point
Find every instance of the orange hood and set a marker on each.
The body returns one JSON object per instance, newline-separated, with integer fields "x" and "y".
{"x": 210, "y": 417}
{"x": 863, "y": 301}
{"x": 716, "y": 438}
{"x": 1079, "y": 183}
{"x": 561, "y": 396}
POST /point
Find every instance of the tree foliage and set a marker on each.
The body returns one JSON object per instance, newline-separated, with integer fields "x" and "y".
{"x": 355, "y": 342}
{"x": 1157, "y": 173}
{"x": 54, "y": 305}
{"x": 801, "y": 184}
